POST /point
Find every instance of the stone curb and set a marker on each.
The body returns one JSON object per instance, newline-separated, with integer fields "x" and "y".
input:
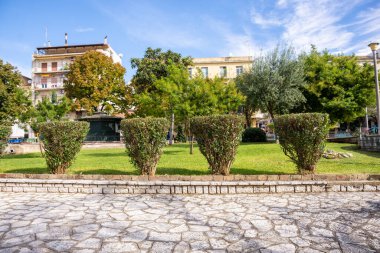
{"x": 182, "y": 187}
{"x": 290, "y": 177}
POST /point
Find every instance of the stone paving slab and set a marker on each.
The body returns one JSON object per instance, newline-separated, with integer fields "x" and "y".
{"x": 296, "y": 222}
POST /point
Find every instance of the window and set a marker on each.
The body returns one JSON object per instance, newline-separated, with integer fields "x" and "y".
{"x": 190, "y": 72}
{"x": 62, "y": 91}
{"x": 53, "y": 66}
{"x": 222, "y": 71}
{"x": 204, "y": 71}
{"x": 239, "y": 70}
{"x": 44, "y": 66}
{"x": 44, "y": 82}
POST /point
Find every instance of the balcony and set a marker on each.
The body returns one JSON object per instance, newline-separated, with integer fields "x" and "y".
{"x": 40, "y": 87}
{"x": 50, "y": 71}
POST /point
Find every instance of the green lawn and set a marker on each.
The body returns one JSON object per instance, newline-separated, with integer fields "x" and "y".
{"x": 264, "y": 158}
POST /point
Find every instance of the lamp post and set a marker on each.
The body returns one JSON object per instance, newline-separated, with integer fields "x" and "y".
{"x": 373, "y": 47}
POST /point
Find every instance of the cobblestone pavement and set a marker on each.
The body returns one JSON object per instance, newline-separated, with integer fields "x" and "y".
{"x": 327, "y": 222}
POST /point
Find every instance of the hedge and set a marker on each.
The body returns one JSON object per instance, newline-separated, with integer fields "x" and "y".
{"x": 302, "y": 138}
{"x": 144, "y": 139}
{"x": 218, "y": 138}
{"x": 253, "y": 134}
{"x": 62, "y": 141}
{"x": 5, "y": 132}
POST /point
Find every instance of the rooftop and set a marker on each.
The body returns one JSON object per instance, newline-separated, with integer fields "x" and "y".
{"x": 50, "y": 50}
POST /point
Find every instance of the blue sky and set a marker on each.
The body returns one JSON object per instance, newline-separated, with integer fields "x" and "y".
{"x": 199, "y": 28}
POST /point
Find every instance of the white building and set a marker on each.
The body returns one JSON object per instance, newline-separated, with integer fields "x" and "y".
{"x": 50, "y": 64}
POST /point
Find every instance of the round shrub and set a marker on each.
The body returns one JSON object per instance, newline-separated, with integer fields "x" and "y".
{"x": 144, "y": 139}
{"x": 302, "y": 138}
{"x": 218, "y": 138}
{"x": 254, "y": 134}
{"x": 61, "y": 142}
{"x": 5, "y": 131}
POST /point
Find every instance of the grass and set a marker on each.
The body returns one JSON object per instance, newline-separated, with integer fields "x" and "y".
{"x": 263, "y": 158}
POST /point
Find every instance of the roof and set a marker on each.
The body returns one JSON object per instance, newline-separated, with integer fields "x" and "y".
{"x": 73, "y": 46}
{"x": 231, "y": 59}
{"x": 99, "y": 116}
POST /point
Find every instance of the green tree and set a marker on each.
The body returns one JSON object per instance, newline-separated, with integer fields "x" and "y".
{"x": 48, "y": 111}
{"x": 96, "y": 83}
{"x": 14, "y": 101}
{"x": 273, "y": 83}
{"x": 179, "y": 97}
{"x": 337, "y": 85}
{"x": 153, "y": 66}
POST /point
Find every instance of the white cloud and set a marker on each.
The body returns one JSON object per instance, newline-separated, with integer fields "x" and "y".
{"x": 84, "y": 29}
{"x": 264, "y": 21}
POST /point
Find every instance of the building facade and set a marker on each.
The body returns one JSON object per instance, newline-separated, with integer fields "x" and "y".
{"x": 225, "y": 67}
{"x": 50, "y": 65}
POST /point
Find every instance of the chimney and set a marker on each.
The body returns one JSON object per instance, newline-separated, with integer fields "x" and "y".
{"x": 105, "y": 40}
{"x": 49, "y": 44}
{"x": 66, "y": 39}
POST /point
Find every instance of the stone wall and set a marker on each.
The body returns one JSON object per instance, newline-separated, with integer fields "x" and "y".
{"x": 370, "y": 143}
{"x": 184, "y": 187}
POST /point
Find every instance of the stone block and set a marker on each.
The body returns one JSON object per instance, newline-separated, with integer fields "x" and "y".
{"x": 108, "y": 190}
{"x": 97, "y": 190}
{"x": 300, "y": 188}
{"x": 17, "y": 189}
{"x": 223, "y": 189}
{"x": 261, "y": 189}
{"x": 199, "y": 189}
{"x": 63, "y": 189}
{"x": 244, "y": 189}
{"x": 178, "y": 189}
{"x": 205, "y": 189}
{"x": 73, "y": 189}
{"x": 138, "y": 190}
{"x": 369, "y": 188}
{"x": 53, "y": 189}
{"x": 41, "y": 189}
{"x": 318, "y": 188}
{"x": 190, "y": 189}
{"x": 231, "y": 189}
{"x": 355, "y": 188}
{"x": 334, "y": 188}
{"x": 212, "y": 189}
{"x": 164, "y": 190}
{"x": 284, "y": 188}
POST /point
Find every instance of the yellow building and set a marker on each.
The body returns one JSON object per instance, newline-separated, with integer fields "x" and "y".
{"x": 227, "y": 67}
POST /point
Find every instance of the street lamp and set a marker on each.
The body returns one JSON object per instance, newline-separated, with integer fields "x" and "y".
{"x": 373, "y": 47}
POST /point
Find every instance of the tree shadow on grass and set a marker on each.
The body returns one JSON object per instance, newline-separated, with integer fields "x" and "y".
{"x": 22, "y": 156}
{"x": 102, "y": 155}
{"x": 243, "y": 171}
{"x": 362, "y": 152}
{"x": 39, "y": 170}
{"x": 105, "y": 172}
{"x": 179, "y": 171}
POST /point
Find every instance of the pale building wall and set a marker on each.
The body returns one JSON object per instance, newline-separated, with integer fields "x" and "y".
{"x": 214, "y": 65}
{"x": 54, "y": 78}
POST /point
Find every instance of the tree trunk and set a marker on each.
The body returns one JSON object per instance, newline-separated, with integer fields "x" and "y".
{"x": 191, "y": 144}
{"x": 248, "y": 115}
{"x": 171, "y": 130}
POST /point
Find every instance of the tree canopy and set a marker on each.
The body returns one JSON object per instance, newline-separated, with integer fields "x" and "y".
{"x": 153, "y": 66}
{"x": 273, "y": 83}
{"x": 48, "y": 111}
{"x": 186, "y": 97}
{"x": 14, "y": 101}
{"x": 96, "y": 83}
{"x": 337, "y": 85}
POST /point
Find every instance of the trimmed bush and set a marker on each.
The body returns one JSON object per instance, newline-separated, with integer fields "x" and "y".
{"x": 218, "y": 138}
{"x": 254, "y": 134}
{"x": 144, "y": 139}
{"x": 5, "y": 131}
{"x": 302, "y": 138}
{"x": 62, "y": 141}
